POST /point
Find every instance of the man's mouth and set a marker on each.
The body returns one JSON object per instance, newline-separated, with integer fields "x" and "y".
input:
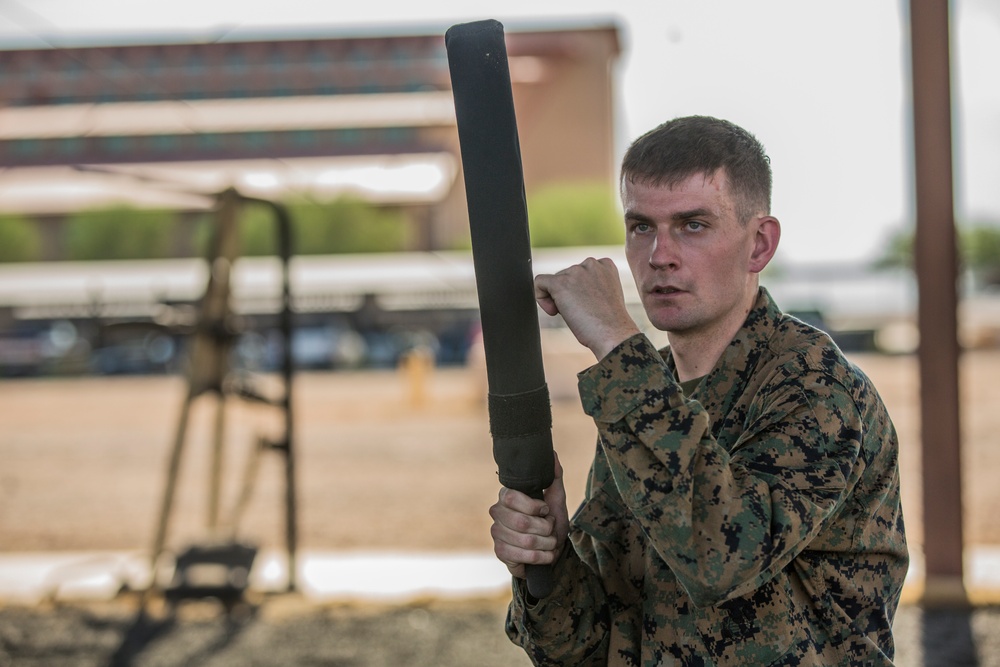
{"x": 664, "y": 289}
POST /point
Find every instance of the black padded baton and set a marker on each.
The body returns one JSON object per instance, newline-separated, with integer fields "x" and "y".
{"x": 520, "y": 414}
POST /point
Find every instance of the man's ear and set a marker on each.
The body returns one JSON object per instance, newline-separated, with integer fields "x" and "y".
{"x": 765, "y": 242}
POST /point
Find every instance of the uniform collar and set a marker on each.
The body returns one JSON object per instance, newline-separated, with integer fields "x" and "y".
{"x": 726, "y": 382}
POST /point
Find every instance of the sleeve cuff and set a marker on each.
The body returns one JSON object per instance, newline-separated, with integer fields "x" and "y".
{"x": 529, "y": 606}
{"x": 618, "y": 383}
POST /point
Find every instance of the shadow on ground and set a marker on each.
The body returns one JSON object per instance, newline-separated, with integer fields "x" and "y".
{"x": 947, "y": 638}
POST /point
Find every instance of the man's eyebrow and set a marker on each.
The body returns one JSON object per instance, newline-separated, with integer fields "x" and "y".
{"x": 637, "y": 216}
{"x": 679, "y": 215}
{"x": 693, "y": 213}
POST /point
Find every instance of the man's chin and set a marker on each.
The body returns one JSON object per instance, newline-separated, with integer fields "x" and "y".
{"x": 663, "y": 320}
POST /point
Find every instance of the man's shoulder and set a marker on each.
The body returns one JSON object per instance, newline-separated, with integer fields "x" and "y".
{"x": 783, "y": 346}
{"x": 793, "y": 339}
{"x": 807, "y": 355}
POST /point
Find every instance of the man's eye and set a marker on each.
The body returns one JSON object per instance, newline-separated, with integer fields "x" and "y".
{"x": 641, "y": 227}
{"x": 695, "y": 225}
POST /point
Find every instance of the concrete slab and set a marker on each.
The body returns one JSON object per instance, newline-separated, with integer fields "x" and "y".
{"x": 31, "y": 578}
{"x": 326, "y": 576}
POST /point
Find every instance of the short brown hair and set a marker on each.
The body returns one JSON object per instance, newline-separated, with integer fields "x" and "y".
{"x": 682, "y": 147}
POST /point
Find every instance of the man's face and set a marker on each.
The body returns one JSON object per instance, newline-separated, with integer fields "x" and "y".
{"x": 689, "y": 254}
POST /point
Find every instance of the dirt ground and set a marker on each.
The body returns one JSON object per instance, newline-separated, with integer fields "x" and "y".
{"x": 384, "y": 460}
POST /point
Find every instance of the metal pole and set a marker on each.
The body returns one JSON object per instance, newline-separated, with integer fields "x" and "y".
{"x": 215, "y": 469}
{"x": 937, "y": 282}
{"x": 170, "y": 487}
{"x": 288, "y": 369}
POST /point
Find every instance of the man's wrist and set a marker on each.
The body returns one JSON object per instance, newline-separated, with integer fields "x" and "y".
{"x": 610, "y": 342}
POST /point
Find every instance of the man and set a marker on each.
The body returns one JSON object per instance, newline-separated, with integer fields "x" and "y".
{"x": 743, "y": 503}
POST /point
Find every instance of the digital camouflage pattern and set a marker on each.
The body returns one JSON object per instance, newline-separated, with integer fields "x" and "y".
{"x": 755, "y": 522}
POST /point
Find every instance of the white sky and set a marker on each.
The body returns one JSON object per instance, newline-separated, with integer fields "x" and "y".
{"x": 823, "y": 85}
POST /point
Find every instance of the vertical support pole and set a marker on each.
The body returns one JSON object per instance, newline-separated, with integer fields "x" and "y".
{"x": 216, "y": 465}
{"x": 284, "y": 227}
{"x": 937, "y": 282}
{"x": 207, "y": 362}
{"x": 170, "y": 487}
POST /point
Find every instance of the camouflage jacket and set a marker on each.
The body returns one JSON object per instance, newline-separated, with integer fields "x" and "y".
{"x": 755, "y": 522}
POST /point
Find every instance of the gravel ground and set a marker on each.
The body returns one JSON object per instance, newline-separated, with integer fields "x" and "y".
{"x": 276, "y": 633}
{"x": 283, "y": 632}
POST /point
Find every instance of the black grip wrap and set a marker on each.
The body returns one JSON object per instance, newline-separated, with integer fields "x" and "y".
{"x": 527, "y": 465}
{"x": 521, "y": 425}
{"x": 514, "y": 415}
{"x": 520, "y": 415}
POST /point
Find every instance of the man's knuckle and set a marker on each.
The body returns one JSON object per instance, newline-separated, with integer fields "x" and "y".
{"x": 527, "y": 542}
{"x": 522, "y": 523}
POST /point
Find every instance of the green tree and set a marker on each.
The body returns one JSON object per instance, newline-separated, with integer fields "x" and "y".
{"x": 980, "y": 246}
{"x": 343, "y": 225}
{"x": 978, "y": 249}
{"x": 258, "y": 231}
{"x": 20, "y": 240}
{"x": 898, "y": 251}
{"x": 348, "y": 224}
{"x": 574, "y": 214}
{"x": 120, "y": 232}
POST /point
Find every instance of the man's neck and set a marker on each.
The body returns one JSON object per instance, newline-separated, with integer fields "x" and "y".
{"x": 694, "y": 358}
{"x": 696, "y": 353}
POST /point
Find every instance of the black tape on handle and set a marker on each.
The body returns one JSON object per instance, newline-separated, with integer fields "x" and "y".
{"x": 520, "y": 414}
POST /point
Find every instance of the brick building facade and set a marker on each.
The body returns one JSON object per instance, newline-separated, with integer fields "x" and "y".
{"x": 91, "y": 125}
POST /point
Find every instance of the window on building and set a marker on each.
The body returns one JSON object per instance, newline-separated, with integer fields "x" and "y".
{"x": 70, "y": 146}
{"x": 115, "y": 145}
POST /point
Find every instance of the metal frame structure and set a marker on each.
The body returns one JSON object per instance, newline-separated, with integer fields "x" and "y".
{"x": 209, "y": 374}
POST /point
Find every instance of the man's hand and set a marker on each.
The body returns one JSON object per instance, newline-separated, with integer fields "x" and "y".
{"x": 530, "y": 531}
{"x": 590, "y": 299}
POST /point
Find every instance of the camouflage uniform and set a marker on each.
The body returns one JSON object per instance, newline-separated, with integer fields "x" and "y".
{"x": 755, "y": 522}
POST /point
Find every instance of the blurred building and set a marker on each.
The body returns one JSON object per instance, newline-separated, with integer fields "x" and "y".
{"x": 153, "y": 124}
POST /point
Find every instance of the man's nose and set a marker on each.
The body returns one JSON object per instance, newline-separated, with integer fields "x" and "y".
{"x": 663, "y": 253}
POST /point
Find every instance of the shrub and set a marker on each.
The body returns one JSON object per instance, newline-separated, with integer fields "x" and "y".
{"x": 344, "y": 225}
{"x": 348, "y": 225}
{"x": 575, "y": 214}
{"x": 120, "y": 232}
{"x": 20, "y": 240}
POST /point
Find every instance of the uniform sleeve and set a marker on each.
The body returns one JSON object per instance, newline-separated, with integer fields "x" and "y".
{"x": 570, "y": 626}
{"x": 724, "y": 521}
